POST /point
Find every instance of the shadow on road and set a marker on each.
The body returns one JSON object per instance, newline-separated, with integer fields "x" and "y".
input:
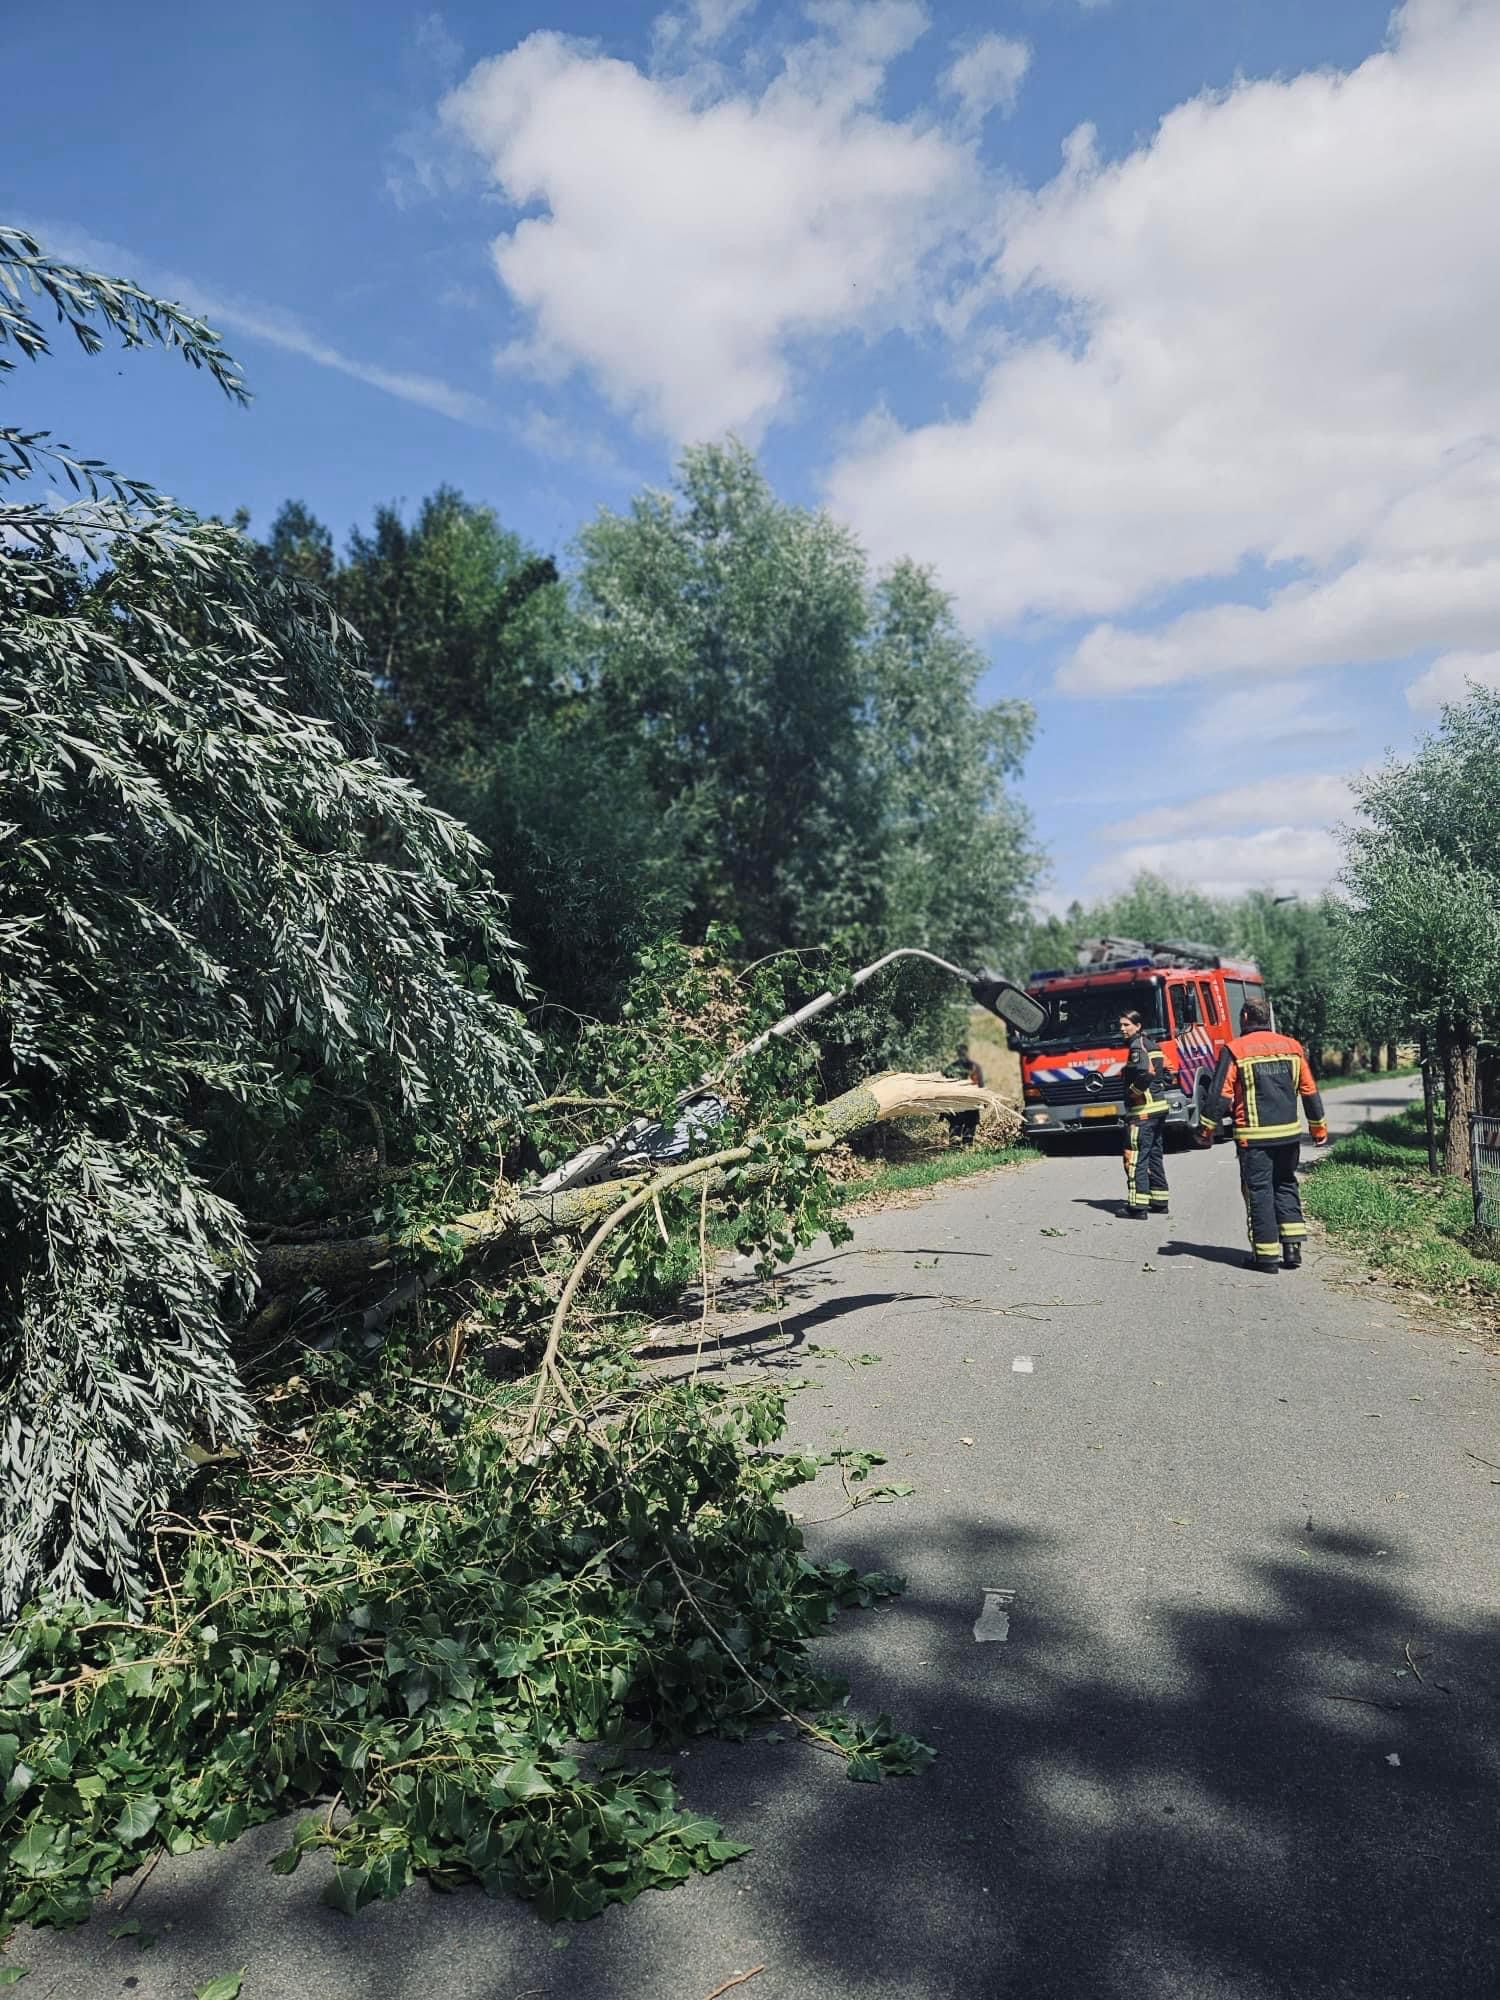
{"x": 775, "y": 1336}
{"x": 1206, "y": 1253}
{"x": 1229, "y": 1803}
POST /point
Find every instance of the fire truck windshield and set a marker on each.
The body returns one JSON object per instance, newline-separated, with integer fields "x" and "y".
{"x": 1087, "y": 1017}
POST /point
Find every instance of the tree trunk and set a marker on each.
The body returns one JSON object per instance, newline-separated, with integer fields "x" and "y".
{"x": 522, "y": 1216}
{"x": 1392, "y": 1055}
{"x": 1375, "y": 1058}
{"x": 1346, "y": 1061}
{"x": 1460, "y": 1060}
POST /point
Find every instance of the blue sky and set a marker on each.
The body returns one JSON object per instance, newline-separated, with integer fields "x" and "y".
{"x": 1163, "y": 328}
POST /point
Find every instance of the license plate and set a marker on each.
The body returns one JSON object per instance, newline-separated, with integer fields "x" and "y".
{"x": 1100, "y": 1111}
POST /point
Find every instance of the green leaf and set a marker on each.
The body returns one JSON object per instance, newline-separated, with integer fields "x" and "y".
{"x": 12, "y": 1975}
{"x": 136, "y": 1821}
{"x": 131, "y": 1928}
{"x": 36, "y": 1848}
{"x": 524, "y": 1781}
{"x": 350, "y": 1889}
{"x": 225, "y": 1987}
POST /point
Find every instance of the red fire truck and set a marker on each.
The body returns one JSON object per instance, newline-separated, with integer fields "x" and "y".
{"x": 1188, "y": 995}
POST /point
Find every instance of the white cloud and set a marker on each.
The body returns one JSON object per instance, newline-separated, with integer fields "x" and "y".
{"x": 555, "y": 438}
{"x": 1287, "y": 860}
{"x": 688, "y": 240}
{"x": 279, "y": 329}
{"x": 1373, "y": 610}
{"x": 1263, "y": 715}
{"x": 1447, "y": 679}
{"x": 704, "y": 24}
{"x": 422, "y": 162}
{"x": 1313, "y": 802}
{"x": 988, "y": 77}
{"x": 255, "y": 320}
{"x": 1429, "y": 575}
{"x": 1273, "y": 345}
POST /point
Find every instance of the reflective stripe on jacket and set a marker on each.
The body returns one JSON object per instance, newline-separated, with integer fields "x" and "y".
{"x": 1146, "y": 1077}
{"x": 1264, "y": 1075}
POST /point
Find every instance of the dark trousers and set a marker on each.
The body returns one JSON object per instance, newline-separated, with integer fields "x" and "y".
{"x": 962, "y": 1125}
{"x": 1145, "y": 1162}
{"x": 1273, "y": 1207}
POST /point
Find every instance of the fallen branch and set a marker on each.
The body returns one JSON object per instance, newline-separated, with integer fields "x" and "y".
{"x": 547, "y": 1375}
{"x": 739, "y": 1979}
{"x": 344, "y": 1267}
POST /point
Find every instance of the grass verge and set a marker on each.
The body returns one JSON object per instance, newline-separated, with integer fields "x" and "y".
{"x": 905, "y": 1176}
{"x": 1327, "y": 1083}
{"x": 1373, "y": 1194}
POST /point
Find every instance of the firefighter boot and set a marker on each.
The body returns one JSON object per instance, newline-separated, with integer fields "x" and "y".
{"x": 1291, "y": 1255}
{"x": 1267, "y": 1266}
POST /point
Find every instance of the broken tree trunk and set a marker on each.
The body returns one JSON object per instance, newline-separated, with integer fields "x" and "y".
{"x": 344, "y": 1267}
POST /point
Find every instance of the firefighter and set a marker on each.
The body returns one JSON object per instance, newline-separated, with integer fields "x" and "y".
{"x": 1147, "y": 1080}
{"x": 963, "y": 1125}
{"x": 1264, "y": 1076}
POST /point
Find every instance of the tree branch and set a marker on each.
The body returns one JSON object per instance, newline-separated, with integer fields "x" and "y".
{"x": 345, "y": 1267}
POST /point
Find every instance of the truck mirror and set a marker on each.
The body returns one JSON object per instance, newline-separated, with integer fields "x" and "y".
{"x": 1017, "y": 1009}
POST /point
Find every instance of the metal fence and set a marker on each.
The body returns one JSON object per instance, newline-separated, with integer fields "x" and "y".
{"x": 1484, "y": 1162}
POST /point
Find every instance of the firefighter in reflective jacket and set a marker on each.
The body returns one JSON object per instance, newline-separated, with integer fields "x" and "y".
{"x": 1147, "y": 1081}
{"x": 1267, "y": 1078}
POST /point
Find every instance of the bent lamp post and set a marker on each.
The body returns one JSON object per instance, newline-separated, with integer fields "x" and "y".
{"x": 653, "y": 1141}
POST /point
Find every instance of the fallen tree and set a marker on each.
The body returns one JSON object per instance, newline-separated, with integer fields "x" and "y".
{"x": 518, "y": 1217}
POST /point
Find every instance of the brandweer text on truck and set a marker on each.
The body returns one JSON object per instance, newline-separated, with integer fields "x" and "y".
{"x": 1188, "y": 995}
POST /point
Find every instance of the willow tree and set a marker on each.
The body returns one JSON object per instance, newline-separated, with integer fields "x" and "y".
{"x": 1424, "y": 876}
{"x": 211, "y": 886}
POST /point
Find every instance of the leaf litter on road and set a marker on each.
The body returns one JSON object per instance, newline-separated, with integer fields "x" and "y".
{"x": 225, "y": 1987}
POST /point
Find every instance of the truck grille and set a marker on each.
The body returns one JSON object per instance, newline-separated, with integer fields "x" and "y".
{"x": 1076, "y": 1091}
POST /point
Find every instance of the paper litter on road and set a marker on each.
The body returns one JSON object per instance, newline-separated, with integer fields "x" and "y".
{"x": 993, "y": 1621}
{"x": 1022, "y": 1365}
{"x": 1393, "y": 1757}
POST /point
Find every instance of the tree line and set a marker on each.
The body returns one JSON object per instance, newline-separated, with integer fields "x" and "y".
{"x": 713, "y": 716}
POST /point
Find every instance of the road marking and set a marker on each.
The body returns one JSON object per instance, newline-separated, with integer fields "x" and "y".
{"x": 1022, "y": 1365}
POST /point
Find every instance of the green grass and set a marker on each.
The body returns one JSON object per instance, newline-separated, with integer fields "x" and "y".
{"x": 1373, "y": 1194}
{"x": 1327, "y": 1083}
{"x": 956, "y": 1164}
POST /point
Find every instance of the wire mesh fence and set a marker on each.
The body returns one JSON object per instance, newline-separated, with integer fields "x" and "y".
{"x": 1484, "y": 1161}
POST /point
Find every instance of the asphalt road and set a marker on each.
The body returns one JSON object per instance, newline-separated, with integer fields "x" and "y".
{"x": 1243, "y": 1738}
